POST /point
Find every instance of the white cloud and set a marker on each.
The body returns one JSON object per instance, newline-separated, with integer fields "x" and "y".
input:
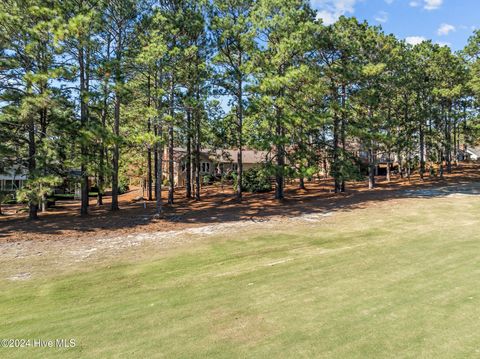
{"x": 389, "y": 2}
{"x": 382, "y": 17}
{"x": 327, "y": 17}
{"x": 432, "y": 4}
{"x": 445, "y": 29}
{"x": 427, "y": 4}
{"x": 330, "y": 10}
{"x": 441, "y": 43}
{"x": 415, "y": 40}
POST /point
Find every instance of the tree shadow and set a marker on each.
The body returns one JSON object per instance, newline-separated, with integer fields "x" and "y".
{"x": 219, "y": 206}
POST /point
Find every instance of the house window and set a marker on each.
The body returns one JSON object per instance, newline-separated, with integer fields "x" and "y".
{"x": 206, "y": 167}
{"x": 234, "y": 167}
{"x": 9, "y": 185}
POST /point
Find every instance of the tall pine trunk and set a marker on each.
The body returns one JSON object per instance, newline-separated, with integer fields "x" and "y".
{"x": 343, "y": 126}
{"x": 158, "y": 152}
{"x": 171, "y": 178}
{"x": 455, "y": 147}
{"x": 82, "y": 60}
{"x": 240, "y": 137}
{"x": 32, "y": 166}
{"x": 279, "y": 177}
{"x": 116, "y": 125}
{"x": 158, "y": 171}
{"x": 188, "y": 164}
{"x": 157, "y": 131}
{"x": 149, "y": 149}
{"x": 43, "y": 135}
{"x": 448, "y": 139}
{"x": 400, "y": 164}
{"x": 422, "y": 151}
{"x": 371, "y": 169}
{"x": 335, "y": 170}
{"x": 32, "y": 163}
{"x": 388, "y": 171}
{"x": 301, "y": 183}
{"x": 101, "y": 174}
{"x": 149, "y": 167}
{"x": 371, "y": 157}
{"x": 198, "y": 140}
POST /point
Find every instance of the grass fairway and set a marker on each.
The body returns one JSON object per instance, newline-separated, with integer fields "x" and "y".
{"x": 401, "y": 279}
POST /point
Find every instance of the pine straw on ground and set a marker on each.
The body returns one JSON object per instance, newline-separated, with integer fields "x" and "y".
{"x": 217, "y": 206}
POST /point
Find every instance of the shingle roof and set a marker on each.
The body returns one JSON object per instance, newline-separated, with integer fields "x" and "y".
{"x": 474, "y": 150}
{"x": 223, "y": 156}
{"x": 248, "y": 156}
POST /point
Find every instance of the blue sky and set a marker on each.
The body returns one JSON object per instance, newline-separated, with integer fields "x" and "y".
{"x": 448, "y": 22}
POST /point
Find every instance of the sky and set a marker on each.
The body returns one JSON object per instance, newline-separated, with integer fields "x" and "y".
{"x": 446, "y": 22}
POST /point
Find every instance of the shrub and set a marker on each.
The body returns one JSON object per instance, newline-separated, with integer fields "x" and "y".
{"x": 36, "y": 189}
{"x": 123, "y": 185}
{"x": 351, "y": 170}
{"x": 255, "y": 180}
{"x": 208, "y": 179}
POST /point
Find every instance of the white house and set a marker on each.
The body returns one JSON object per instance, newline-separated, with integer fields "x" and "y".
{"x": 473, "y": 153}
{"x": 12, "y": 179}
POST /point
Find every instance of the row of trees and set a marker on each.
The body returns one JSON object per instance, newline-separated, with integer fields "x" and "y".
{"x": 106, "y": 85}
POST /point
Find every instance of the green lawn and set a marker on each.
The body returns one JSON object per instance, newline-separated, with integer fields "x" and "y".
{"x": 394, "y": 280}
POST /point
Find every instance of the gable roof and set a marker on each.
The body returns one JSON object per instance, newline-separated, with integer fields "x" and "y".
{"x": 222, "y": 156}
{"x": 474, "y": 151}
{"x": 248, "y": 156}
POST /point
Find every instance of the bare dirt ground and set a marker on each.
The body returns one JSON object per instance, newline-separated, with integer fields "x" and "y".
{"x": 64, "y": 241}
{"x": 218, "y": 206}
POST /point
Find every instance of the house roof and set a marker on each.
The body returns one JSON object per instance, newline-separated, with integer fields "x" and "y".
{"x": 474, "y": 151}
{"x": 13, "y": 173}
{"x": 222, "y": 156}
{"x": 248, "y": 156}
{"x": 179, "y": 153}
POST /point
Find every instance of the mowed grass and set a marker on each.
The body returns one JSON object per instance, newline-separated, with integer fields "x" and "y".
{"x": 401, "y": 279}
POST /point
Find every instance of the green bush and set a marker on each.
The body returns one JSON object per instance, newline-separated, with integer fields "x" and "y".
{"x": 208, "y": 180}
{"x": 10, "y": 199}
{"x": 7, "y": 198}
{"x": 255, "y": 180}
{"x": 123, "y": 185}
{"x": 351, "y": 170}
{"x": 34, "y": 190}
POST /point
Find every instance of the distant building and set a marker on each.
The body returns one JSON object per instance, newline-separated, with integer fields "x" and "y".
{"x": 212, "y": 162}
{"x": 12, "y": 179}
{"x": 472, "y": 153}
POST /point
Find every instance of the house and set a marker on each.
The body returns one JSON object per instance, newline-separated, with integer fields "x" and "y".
{"x": 382, "y": 160}
{"x": 472, "y": 153}
{"x": 12, "y": 179}
{"x": 212, "y": 162}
